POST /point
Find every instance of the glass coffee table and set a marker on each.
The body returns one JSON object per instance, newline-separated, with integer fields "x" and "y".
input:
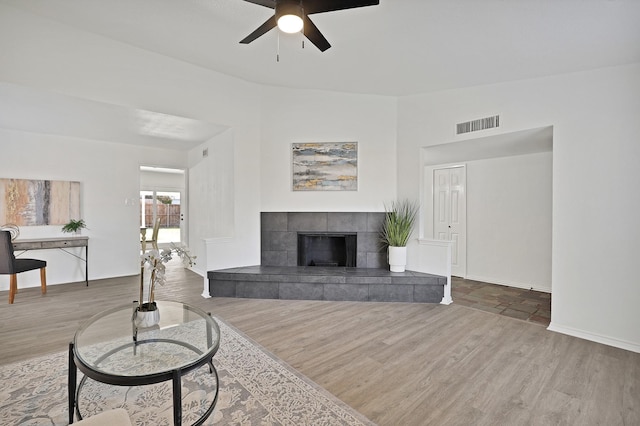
{"x": 111, "y": 349}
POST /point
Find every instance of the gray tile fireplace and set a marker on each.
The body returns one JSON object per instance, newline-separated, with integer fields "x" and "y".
{"x": 280, "y": 233}
{"x": 324, "y": 256}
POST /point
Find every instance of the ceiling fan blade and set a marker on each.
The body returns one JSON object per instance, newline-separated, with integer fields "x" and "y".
{"x": 319, "y": 6}
{"x": 314, "y": 35}
{"x": 262, "y": 29}
{"x": 266, "y": 3}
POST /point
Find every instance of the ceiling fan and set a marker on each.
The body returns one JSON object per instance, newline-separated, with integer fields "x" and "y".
{"x": 291, "y": 16}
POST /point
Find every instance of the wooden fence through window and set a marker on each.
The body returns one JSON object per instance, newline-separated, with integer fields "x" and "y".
{"x": 169, "y": 215}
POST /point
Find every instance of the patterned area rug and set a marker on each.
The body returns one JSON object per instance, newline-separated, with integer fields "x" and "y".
{"x": 256, "y": 388}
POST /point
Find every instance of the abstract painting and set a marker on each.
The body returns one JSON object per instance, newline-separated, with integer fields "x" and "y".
{"x": 325, "y": 166}
{"x": 38, "y": 202}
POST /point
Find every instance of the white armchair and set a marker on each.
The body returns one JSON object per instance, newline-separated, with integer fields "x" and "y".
{"x": 115, "y": 417}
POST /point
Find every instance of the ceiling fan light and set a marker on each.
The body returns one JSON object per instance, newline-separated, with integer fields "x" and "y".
{"x": 290, "y": 23}
{"x": 289, "y": 15}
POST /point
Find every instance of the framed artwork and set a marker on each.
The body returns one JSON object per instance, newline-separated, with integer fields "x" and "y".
{"x": 325, "y": 166}
{"x": 38, "y": 202}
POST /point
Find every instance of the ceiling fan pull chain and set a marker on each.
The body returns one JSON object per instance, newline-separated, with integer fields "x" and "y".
{"x": 278, "y": 49}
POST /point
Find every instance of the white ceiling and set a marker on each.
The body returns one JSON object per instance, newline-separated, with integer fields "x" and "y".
{"x": 401, "y": 47}
{"x": 82, "y": 118}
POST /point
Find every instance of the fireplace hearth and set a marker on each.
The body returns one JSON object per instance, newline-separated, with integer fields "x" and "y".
{"x": 280, "y": 276}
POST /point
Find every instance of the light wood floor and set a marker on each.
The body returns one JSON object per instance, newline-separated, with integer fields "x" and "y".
{"x": 397, "y": 364}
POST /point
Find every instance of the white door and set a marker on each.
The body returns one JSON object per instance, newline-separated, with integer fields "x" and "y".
{"x": 449, "y": 214}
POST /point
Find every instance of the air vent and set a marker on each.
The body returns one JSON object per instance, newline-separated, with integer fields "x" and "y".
{"x": 479, "y": 124}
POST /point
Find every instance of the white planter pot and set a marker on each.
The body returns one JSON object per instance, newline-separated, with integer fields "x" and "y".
{"x": 145, "y": 319}
{"x": 397, "y": 258}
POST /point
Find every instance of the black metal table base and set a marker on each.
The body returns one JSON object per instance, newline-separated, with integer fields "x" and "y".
{"x": 174, "y": 375}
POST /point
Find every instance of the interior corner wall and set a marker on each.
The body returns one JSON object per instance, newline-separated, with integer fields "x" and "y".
{"x": 213, "y": 199}
{"x": 595, "y": 151}
{"x": 290, "y": 115}
{"x": 224, "y": 198}
{"x": 108, "y": 174}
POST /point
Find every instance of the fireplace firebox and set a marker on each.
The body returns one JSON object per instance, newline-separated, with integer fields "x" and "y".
{"x": 327, "y": 249}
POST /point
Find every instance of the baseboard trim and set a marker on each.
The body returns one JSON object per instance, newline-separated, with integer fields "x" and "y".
{"x": 199, "y": 271}
{"x": 508, "y": 283}
{"x": 594, "y": 337}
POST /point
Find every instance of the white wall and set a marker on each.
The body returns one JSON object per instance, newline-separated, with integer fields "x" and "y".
{"x": 50, "y": 56}
{"x": 108, "y": 174}
{"x": 212, "y": 206}
{"x": 509, "y": 221}
{"x": 286, "y": 116}
{"x": 159, "y": 181}
{"x": 225, "y": 194}
{"x": 595, "y": 151}
{"x": 290, "y": 116}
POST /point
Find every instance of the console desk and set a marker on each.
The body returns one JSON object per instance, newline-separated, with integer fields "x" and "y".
{"x": 62, "y": 243}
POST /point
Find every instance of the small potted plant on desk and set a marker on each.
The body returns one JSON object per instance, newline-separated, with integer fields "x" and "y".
{"x": 147, "y": 313}
{"x": 396, "y": 230}
{"x": 74, "y": 226}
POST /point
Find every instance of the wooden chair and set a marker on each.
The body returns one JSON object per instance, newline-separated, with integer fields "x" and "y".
{"x": 9, "y": 265}
{"x": 154, "y": 237}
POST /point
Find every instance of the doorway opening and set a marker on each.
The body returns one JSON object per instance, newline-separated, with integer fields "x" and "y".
{"x": 508, "y": 192}
{"x": 161, "y": 197}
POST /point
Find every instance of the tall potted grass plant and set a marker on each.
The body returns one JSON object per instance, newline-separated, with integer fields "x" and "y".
{"x": 396, "y": 230}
